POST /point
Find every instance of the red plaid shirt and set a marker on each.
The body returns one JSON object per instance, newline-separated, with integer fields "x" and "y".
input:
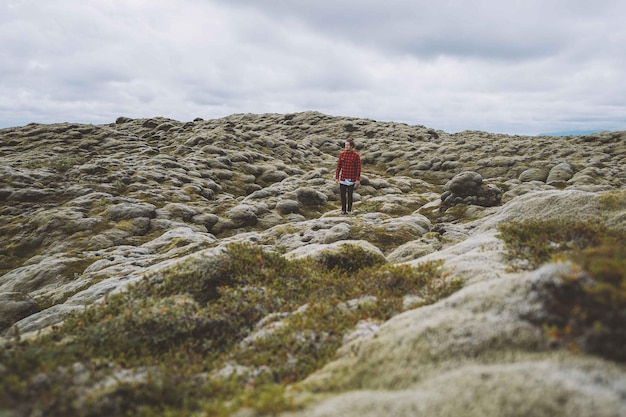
{"x": 348, "y": 166}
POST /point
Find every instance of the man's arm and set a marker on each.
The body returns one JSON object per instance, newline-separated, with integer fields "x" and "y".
{"x": 338, "y": 169}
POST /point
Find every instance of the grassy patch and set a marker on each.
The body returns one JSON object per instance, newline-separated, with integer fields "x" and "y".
{"x": 536, "y": 242}
{"x": 350, "y": 259}
{"x": 456, "y": 212}
{"x": 313, "y": 212}
{"x": 207, "y": 340}
{"x": 613, "y": 200}
{"x": 588, "y": 307}
{"x": 368, "y": 206}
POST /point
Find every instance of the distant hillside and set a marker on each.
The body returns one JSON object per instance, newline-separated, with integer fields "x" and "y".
{"x": 571, "y": 133}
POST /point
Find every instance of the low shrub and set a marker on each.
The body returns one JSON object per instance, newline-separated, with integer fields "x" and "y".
{"x": 167, "y": 345}
{"x": 589, "y": 307}
{"x": 536, "y": 241}
{"x": 592, "y": 304}
{"x": 351, "y": 258}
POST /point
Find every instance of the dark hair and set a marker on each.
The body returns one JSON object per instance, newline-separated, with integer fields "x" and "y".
{"x": 351, "y": 142}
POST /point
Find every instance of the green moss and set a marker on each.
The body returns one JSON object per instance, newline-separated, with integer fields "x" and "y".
{"x": 60, "y": 163}
{"x": 588, "y": 307}
{"x": 537, "y": 242}
{"x": 368, "y": 206}
{"x": 312, "y": 212}
{"x": 613, "y": 200}
{"x": 14, "y": 254}
{"x": 119, "y": 187}
{"x": 183, "y": 329}
{"x": 457, "y": 211}
{"x": 351, "y": 258}
{"x": 386, "y": 240}
{"x": 591, "y": 305}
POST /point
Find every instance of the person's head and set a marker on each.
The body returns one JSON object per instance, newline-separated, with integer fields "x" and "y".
{"x": 349, "y": 145}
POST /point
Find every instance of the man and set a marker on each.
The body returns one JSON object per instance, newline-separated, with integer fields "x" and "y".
{"x": 348, "y": 175}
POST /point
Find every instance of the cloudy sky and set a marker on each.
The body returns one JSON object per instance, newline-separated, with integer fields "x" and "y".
{"x": 509, "y": 66}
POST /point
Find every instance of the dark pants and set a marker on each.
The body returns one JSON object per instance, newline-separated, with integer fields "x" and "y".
{"x": 346, "y": 189}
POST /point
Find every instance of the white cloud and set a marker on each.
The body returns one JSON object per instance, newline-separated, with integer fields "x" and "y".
{"x": 515, "y": 67}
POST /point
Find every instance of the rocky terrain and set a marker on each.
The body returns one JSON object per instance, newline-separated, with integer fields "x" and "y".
{"x": 88, "y": 211}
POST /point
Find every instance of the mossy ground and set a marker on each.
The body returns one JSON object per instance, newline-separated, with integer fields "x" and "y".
{"x": 175, "y": 339}
{"x": 384, "y": 239}
{"x": 590, "y": 305}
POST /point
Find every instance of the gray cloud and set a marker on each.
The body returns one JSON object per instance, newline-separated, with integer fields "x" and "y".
{"x": 477, "y": 28}
{"x": 515, "y": 67}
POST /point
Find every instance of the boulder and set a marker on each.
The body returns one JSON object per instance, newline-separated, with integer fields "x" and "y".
{"x": 272, "y": 176}
{"x": 464, "y": 184}
{"x": 560, "y": 174}
{"x": 287, "y": 206}
{"x": 468, "y": 188}
{"x": 176, "y": 211}
{"x": 242, "y": 215}
{"x": 337, "y": 233}
{"x": 310, "y": 197}
{"x": 123, "y": 119}
{"x": 534, "y": 174}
